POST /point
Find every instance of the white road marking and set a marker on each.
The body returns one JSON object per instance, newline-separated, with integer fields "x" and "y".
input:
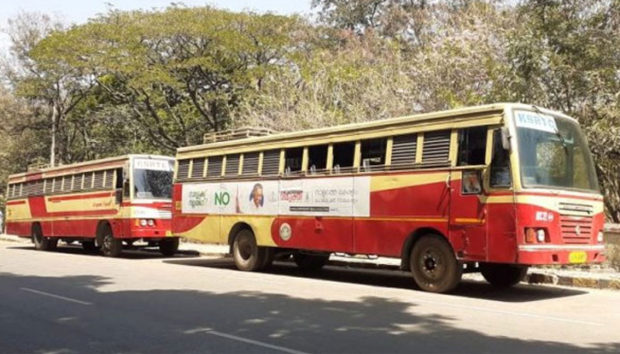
{"x": 257, "y": 343}
{"x": 56, "y": 296}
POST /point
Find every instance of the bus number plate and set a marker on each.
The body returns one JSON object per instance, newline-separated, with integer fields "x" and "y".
{"x": 577, "y": 257}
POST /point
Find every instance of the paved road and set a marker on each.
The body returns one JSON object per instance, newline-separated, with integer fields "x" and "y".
{"x": 71, "y": 302}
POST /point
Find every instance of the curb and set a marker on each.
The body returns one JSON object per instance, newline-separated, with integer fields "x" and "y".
{"x": 572, "y": 281}
{"x": 12, "y": 238}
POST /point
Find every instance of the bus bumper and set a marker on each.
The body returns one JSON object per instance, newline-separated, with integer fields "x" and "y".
{"x": 560, "y": 254}
{"x": 160, "y": 229}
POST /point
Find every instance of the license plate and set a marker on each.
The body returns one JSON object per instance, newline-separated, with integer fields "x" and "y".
{"x": 577, "y": 257}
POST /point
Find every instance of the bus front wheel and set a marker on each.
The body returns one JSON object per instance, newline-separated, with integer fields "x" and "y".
{"x": 248, "y": 256}
{"x": 502, "y": 275}
{"x": 434, "y": 266}
{"x": 110, "y": 246}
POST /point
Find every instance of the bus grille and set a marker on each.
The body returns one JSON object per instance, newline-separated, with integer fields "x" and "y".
{"x": 576, "y": 223}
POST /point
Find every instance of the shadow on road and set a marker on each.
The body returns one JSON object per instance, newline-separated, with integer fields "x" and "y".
{"x": 397, "y": 279}
{"x": 178, "y": 321}
{"x": 128, "y": 253}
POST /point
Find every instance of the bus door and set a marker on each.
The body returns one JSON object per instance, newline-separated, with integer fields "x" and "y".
{"x": 468, "y": 210}
{"x": 468, "y": 213}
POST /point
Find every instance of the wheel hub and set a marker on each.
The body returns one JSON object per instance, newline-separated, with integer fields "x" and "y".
{"x": 431, "y": 264}
{"x": 245, "y": 249}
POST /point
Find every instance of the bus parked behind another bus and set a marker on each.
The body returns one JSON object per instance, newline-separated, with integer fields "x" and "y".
{"x": 101, "y": 203}
{"x": 492, "y": 189}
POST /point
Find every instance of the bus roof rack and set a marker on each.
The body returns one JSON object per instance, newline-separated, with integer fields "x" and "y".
{"x": 235, "y": 134}
{"x": 39, "y": 163}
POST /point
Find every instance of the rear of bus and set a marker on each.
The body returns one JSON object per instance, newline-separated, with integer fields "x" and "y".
{"x": 559, "y": 208}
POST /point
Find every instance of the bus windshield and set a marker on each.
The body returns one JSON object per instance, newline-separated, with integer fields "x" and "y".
{"x": 152, "y": 179}
{"x": 553, "y": 153}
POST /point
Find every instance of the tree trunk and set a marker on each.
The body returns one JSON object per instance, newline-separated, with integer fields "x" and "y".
{"x": 53, "y": 143}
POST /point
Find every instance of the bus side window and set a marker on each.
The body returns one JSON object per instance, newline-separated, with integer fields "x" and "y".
{"x": 344, "y": 154}
{"x": 472, "y": 146}
{"x": 317, "y": 158}
{"x": 119, "y": 178}
{"x": 88, "y": 181}
{"x": 293, "y": 159}
{"x": 214, "y": 166}
{"x": 271, "y": 162}
{"x": 250, "y": 163}
{"x": 232, "y": 165}
{"x": 98, "y": 183}
{"x": 500, "y": 163}
{"x": 373, "y": 154}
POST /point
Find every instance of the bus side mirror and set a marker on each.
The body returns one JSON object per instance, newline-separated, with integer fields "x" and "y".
{"x": 505, "y": 138}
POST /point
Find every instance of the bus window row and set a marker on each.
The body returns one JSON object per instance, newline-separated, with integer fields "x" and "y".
{"x": 79, "y": 182}
{"x": 398, "y": 152}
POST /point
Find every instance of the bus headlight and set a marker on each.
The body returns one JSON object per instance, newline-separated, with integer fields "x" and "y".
{"x": 143, "y": 222}
{"x": 540, "y": 235}
{"x": 151, "y": 222}
{"x": 599, "y": 237}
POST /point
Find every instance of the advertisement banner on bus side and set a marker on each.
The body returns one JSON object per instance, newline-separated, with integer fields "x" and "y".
{"x": 347, "y": 196}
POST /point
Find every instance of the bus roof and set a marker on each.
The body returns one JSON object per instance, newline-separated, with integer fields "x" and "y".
{"x": 473, "y": 112}
{"x": 105, "y": 163}
{"x": 355, "y": 127}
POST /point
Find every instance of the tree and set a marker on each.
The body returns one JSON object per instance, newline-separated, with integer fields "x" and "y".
{"x": 40, "y": 77}
{"x": 22, "y": 136}
{"x": 181, "y": 71}
{"x": 335, "y": 78}
{"x": 565, "y": 55}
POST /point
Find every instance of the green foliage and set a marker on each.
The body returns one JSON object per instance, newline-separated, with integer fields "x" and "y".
{"x": 182, "y": 71}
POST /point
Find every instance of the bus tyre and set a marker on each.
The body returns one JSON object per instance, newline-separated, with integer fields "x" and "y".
{"x": 434, "y": 266}
{"x": 310, "y": 262}
{"x": 169, "y": 246}
{"x": 502, "y": 275}
{"x": 110, "y": 246}
{"x": 41, "y": 242}
{"x": 89, "y": 246}
{"x": 246, "y": 253}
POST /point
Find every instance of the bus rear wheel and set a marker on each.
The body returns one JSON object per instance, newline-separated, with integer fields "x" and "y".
{"x": 248, "y": 256}
{"x": 169, "y": 246}
{"x": 434, "y": 266}
{"x": 41, "y": 242}
{"x": 110, "y": 246}
{"x": 502, "y": 275}
{"x": 310, "y": 262}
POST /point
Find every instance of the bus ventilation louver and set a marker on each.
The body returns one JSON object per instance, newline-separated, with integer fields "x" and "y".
{"x": 576, "y": 222}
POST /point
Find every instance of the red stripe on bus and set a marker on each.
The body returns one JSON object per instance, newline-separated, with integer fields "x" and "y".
{"x": 16, "y": 202}
{"x": 185, "y": 223}
{"x": 34, "y": 177}
{"x": 79, "y": 197}
{"x": 83, "y": 213}
{"x": 162, "y": 205}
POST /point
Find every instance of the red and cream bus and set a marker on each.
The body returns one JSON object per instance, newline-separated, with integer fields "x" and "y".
{"x": 102, "y": 204}
{"x": 493, "y": 188}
